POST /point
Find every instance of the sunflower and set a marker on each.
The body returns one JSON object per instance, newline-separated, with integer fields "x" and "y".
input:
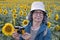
{"x": 57, "y": 8}
{"x": 54, "y": 6}
{"x": 48, "y": 7}
{"x": 57, "y": 28}
{"x": 49, "y": 15}
{"x": 25, "y": 22}
{"x": 5, "y": 12}
{"x": 0, "y": 10}
{"x": 21, "y": 13}
{"x": 56, "y": 16}
{"x": 14, "y": 11}
{"x": 25, "y": 8}
{"x": 8, "y": 29}
{"x": 14, "y": 15}
{"x": 21, "y": 6}
{"x": 48, "y": 24}
{"x": 50, "y": 10}
{"x": 24, "y": 14}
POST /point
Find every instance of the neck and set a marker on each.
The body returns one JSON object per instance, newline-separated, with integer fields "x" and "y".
{"x": 36, "y": 24}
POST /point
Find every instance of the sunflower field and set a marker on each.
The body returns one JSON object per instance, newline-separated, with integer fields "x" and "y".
{"x": 14, "y": 13}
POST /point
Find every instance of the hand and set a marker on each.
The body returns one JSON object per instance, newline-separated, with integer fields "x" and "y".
{"x": 26, "y": 36}
{"x": 15, "y": 35}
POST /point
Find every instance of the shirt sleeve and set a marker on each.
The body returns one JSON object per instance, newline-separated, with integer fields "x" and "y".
{"x": 21, "y": 37}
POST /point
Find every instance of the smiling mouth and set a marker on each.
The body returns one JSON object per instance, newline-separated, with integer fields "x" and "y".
{"x": 38, "y": 18}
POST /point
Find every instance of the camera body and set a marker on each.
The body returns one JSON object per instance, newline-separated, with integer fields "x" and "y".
{"x": 20, "y": 30}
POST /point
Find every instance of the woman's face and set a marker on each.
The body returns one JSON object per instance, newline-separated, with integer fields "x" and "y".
{"x": 37, "y": 15}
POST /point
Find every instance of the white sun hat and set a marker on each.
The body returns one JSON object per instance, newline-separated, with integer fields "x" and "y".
{"x": 38, "y": 6}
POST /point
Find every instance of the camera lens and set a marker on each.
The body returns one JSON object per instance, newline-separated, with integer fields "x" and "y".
{"x": 20, "y": 30}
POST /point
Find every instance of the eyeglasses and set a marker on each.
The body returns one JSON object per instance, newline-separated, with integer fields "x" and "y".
{"x": 39, "y": 13}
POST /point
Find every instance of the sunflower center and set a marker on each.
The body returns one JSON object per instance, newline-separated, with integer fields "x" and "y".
{"x": 21, "y": 13}
{"x": 14, "y": 15}
{"x": 13, "y": 10}
{"x": 8, "y": 29}
{"x": 25, "y": 22}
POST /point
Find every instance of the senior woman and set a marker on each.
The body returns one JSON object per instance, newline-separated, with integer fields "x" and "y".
{"x": 37, "y": 27}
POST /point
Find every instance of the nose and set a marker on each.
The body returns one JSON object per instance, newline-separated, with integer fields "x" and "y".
{"x": 38, "y": 14}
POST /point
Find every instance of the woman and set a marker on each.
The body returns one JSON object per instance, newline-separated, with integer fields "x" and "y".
{"x": 36, "y": 29}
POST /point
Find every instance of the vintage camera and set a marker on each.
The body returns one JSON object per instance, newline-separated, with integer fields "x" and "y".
{"x": 20, "y": 30}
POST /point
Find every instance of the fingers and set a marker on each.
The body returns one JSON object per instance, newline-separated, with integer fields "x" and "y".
{"x": 15, "y": 35}
{"x": 26, "y": 35}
